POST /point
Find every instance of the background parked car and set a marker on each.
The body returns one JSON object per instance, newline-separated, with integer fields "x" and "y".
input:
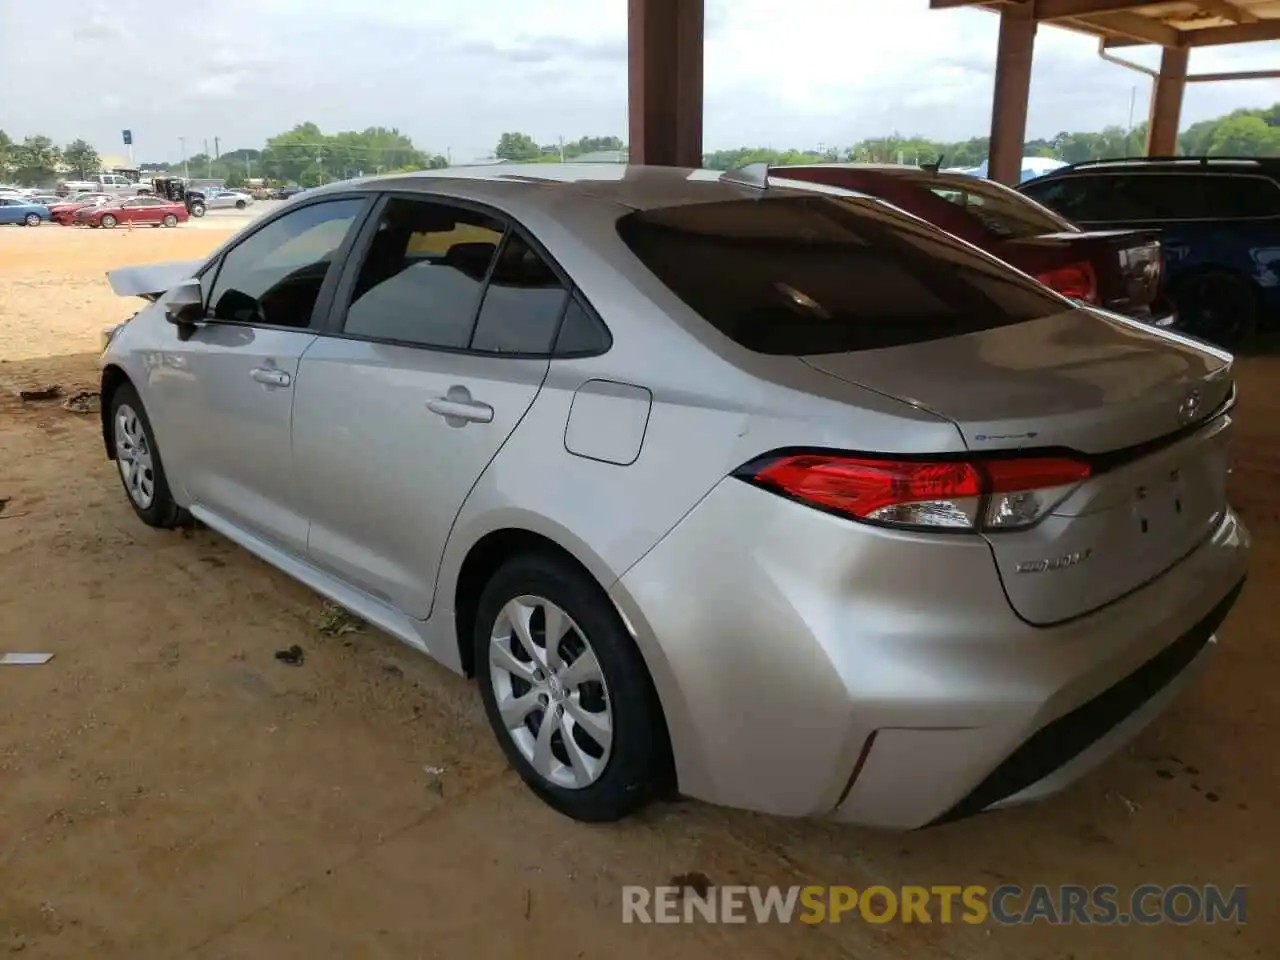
{"x": 1116, "y": 269}
{"x": 285, "y": 193}
{"x": 65, "y": 213}
{"x": 1220, "y": 227}
{"x": 19, "y": 210}
{"x": 151, "y": 211}
{"x": 227, "y": 199}
{"x": 48, "y": 199}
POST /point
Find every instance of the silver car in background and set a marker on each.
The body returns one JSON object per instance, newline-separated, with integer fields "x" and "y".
{"x": 774, "y": 496}
{"x": 227, "y": 200}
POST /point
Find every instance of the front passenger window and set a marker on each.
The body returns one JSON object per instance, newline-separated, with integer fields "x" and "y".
{"x": 274, "y": 277}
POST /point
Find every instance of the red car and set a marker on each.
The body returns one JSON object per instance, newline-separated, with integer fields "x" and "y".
{"x": 65, "y": 212}
{"x": 1116, "y": 269}
{"x": 151, "y": 211}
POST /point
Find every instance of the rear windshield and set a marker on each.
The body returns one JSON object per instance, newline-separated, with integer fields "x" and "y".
{"x": 800, "y": 275}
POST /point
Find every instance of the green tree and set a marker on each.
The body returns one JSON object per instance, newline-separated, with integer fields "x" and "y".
{"x": 1244, "y": 136}
{"x": 82, "y": 158}
{"x": 517, "y": 146}
{"x": 36, "y": 162}
{"x": 6, "y": 154}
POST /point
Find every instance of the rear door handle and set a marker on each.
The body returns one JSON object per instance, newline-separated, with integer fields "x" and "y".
{"x": 270, "y": 376}
{"x": 469, "y": 410}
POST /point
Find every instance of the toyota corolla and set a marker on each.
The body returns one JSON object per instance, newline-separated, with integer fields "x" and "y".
{"x": 769, "y": 494}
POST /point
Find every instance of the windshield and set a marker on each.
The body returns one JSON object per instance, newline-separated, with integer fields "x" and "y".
{"x": 799, "y": 275}
{"x": 1004, "y": 212}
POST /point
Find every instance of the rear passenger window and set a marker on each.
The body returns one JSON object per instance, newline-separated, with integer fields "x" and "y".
{"x": 522, "y": 303}
{"x": 422, "y": 275}
{"x": 581, "y": 334}
{"x": 1235, "y": 197}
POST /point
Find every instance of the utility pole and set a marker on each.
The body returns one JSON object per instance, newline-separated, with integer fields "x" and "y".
{"x": 562, "y": 148}
{"x": 217, "y": 149}
{"x": 186, "y": 170}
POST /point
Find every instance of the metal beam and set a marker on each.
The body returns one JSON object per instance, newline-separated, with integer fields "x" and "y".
{"x": 1137, "y": 29}
{"x": 1210, "y": 36}
{"x": 1227, "y": 10}
{"x": 1166, "y": 103}
{"x": 1061, "y": 9}
{"x": 665, "y": 92}
{"x": 1014, "y": 52}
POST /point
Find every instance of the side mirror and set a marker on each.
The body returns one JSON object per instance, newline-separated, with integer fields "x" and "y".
{"x": 184, "y": 304}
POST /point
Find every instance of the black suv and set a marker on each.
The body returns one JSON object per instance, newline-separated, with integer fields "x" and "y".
{"x": 1219, "y": 219}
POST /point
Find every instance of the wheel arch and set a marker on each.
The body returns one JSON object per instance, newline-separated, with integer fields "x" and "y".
{"x": 488, "y": 553}
{"x": 112, "y": 377}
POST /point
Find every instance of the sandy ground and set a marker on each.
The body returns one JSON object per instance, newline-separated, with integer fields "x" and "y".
{"x": 168, "y": 789}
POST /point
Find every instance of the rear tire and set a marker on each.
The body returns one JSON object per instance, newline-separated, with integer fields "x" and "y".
{"x": 197, "y": 210}
{"x": 138, "y": 462}
{"x": 1217, "y": 306}
{"x": 170, "y": 220}
{"x": 594, "y": 688}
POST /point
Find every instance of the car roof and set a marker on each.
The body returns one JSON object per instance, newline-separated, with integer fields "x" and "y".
{"x": 627, "y": 185}
{"x": 1187, "y": 166}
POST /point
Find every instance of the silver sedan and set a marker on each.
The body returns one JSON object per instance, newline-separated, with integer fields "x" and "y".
{"x": 227, "y": 200}
{"x": 767, "y": 494}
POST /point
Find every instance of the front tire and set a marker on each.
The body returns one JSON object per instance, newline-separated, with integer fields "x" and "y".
{"x": 32, "y": 219}
{"x": 138, "y": 462}
{"x": 566, "y": 691}
{"x": 240, "y": 204}
{"x": 197, "y": 210}
{"x": 109, "y": 221}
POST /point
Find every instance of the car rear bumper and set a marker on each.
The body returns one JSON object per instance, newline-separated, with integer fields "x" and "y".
{"x": 809, "y": 666}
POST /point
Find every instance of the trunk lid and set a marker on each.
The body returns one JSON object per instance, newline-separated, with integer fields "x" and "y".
{"x": 1127, "y": 263}
{"x": 1147, "y": 408}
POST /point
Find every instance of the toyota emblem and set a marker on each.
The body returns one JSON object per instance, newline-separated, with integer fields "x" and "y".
{"x": 1189, "y": 409}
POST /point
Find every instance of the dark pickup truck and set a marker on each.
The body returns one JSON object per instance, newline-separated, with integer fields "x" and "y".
{"x": 1118, "y": 270}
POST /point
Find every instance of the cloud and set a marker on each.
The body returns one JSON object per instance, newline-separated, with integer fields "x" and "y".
{"x": 455, "y": 74}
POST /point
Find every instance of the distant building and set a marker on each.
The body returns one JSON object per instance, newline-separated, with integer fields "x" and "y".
{"x": 600, "y": 156}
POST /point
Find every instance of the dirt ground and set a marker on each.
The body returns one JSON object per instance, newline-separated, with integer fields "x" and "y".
{"x": 169, "y": 789}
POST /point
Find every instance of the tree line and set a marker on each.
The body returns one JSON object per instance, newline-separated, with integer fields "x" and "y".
{"x": 307, "y": 156}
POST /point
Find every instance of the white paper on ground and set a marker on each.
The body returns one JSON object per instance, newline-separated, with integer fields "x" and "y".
{"x": 25, "y": 659}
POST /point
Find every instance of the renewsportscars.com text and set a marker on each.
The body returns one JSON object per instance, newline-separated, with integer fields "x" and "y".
{"x": 1007, "y": 905}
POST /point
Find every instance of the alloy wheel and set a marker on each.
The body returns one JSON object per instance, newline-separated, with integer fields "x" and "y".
{"x": 550, "y": 692}
{"x": 134, "y": 457}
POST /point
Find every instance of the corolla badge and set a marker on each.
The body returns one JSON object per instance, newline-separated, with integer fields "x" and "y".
{"x": 1189, "y": 409}
{"x": 1050, "y": 564}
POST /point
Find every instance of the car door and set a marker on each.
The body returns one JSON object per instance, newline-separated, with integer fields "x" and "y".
{"x": 9, "y": 211}
{"x": 405, "y": 400}
{"x": 222, "y": 397}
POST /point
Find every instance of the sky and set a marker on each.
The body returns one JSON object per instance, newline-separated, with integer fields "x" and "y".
{"x": 455, "y": 74}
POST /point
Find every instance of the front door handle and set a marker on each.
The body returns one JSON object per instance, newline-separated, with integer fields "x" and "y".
{"x": 270, "y": 376}
{"x": 469, "y": 411}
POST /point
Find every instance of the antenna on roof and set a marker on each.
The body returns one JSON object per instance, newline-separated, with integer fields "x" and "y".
{"x": 752, "y": 175}
{"x": 933, "y": 168}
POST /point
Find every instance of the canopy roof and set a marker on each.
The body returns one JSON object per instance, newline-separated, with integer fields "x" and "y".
{"x": 1165, "y": 23}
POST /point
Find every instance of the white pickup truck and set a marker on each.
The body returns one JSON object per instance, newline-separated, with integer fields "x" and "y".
{"x": 112, "y": 183}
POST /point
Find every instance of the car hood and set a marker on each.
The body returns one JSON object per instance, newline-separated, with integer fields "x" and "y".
{"x": 151, "y": 280}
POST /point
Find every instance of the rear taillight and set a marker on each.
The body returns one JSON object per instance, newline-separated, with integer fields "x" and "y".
{"x": 1075, "y": 280}
{"x": 988, "y": 494}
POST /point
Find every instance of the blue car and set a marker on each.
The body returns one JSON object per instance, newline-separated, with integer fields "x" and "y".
{"x": 1219, "y": 222}
{"x": 21, "y": 211}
